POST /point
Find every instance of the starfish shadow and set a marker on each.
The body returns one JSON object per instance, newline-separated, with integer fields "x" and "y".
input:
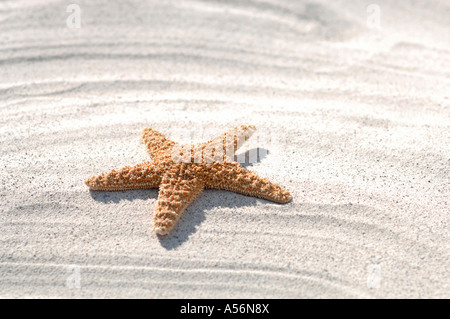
{"x": 117, "y": 196}
{"x": 195, "y": 213}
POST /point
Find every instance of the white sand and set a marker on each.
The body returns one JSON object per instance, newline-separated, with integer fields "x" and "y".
{"x": 362, "y": 117}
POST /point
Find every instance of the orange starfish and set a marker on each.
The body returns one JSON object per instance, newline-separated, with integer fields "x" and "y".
{"x": 182, "y": 172}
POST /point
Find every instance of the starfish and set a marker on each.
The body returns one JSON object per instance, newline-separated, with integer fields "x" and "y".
{"x": 182, "y": 172}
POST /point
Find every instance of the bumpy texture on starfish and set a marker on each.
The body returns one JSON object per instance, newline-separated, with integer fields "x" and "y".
{"x": 182, "y": 172}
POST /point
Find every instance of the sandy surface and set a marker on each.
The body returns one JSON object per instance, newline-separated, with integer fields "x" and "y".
{"x": 361, "y": 115}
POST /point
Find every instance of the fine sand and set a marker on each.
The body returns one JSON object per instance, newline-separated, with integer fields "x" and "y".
{"x": 353, "y": 97}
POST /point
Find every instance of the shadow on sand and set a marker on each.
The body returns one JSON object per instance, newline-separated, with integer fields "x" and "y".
{"x": 195, "y": 212}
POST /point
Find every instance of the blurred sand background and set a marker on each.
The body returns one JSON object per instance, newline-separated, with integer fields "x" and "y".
{"x": 358, "y": 95}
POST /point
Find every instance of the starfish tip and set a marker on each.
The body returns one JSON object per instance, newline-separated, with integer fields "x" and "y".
{"x": 161, "y": 231}
{"x": 249, "y": 128}
{"x": 87, "y": 181}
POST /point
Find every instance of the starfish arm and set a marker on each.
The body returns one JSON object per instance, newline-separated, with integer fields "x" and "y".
{"x": 144, "y": 175}
{"x": 229, "y": 142}
{"x": 232, "y": 177}
{"x": 176, "y": 192}
{"x": 156, "y": 142}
